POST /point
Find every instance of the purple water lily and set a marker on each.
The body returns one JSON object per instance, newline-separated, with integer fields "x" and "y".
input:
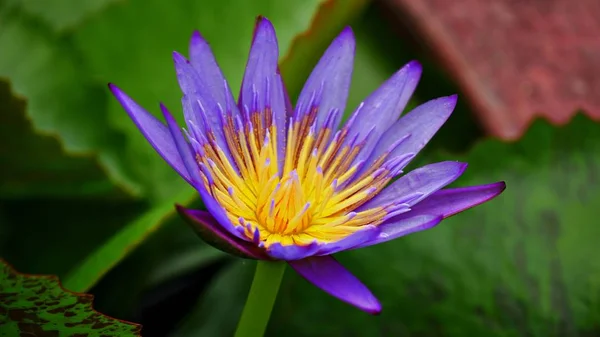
{"x": 284, "y": 183}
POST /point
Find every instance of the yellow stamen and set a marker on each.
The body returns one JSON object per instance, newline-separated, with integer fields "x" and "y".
{"x": 314, "y": 197}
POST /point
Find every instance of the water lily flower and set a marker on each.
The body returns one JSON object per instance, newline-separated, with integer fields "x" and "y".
{"x": 292, "y": 183}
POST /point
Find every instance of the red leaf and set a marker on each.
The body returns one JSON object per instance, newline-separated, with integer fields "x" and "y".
{"x": 515, "y": 60}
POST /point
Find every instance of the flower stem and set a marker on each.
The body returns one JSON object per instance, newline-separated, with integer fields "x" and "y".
{"x": 261, "y": 298}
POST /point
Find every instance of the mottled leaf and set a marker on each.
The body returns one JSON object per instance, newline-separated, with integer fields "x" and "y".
{"x": 37, "y": 305}
{"x": 514, "y": 60}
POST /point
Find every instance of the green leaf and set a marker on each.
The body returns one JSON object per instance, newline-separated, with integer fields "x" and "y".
{"x": 61, "y": 101}
{"x": 38, "y": 305}
{"x": 36, "y": 165}
{"x": 64, "y": 14}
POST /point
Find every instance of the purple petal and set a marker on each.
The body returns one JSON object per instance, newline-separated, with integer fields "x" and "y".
{"x": 329, "y": 82}
{"x": 455, "y": 200}
{"x": 383, "y": 107}
{"x": 200, "y": 107}
{"x": 209, "y": 230}
{"x": 430, "y": 212}
{"x": 156, "y": 133}
{"x": 420, "y": 124}
{"x": 292, "y": 252}
{"x": 217, "y": 211}
{"x": 297, "y": 252}
{"x": 203, "y": 61}
{"x": 329, "y": 275}
{"x": 418, "y": 184}
{"x": 183, "y": 147}
{"x": 353, "y": 240}
{"x": 286, "y": 99}
{"x": 394, "y": 228}
{"x": 262, "y": 86}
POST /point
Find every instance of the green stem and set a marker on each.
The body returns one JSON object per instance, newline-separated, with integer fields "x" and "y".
{"x": 261, "y": 298}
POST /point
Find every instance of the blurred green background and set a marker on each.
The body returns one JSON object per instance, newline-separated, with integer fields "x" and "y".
{"x": 83, "y": 196}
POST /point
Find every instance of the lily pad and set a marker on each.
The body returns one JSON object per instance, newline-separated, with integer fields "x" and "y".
{"x": 37, "y": 305}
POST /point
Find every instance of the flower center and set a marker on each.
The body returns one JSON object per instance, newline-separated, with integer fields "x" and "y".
{"x": 315, "y": 193}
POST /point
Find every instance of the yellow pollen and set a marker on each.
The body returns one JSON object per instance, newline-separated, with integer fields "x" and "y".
{"x": 315, "y": 195}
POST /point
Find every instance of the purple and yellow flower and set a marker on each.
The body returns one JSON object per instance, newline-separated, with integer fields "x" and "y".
{"x": 284, "y": 183}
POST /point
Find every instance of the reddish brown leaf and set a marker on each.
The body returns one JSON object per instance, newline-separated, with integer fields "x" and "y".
{"x": 515, "y": 60}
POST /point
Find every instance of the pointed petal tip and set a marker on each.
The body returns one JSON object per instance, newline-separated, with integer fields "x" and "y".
{"x": 414, "y": 67}
{"x": 263, "y": 22}
{"x": 180, "y": 209}
{"x": 451, "y": 201}
{"x": 196, "y": 36}
{"x": 347, "y": 32}
{"x": 495, "y": 189}
{"x": 263, "y": 28}
{"x": 330, "y": 276}
{"x": 196, "y": 40}
{"x": 445, "y": 103}
{"x": 178, "y": 58}
{"x": 166, "y": 113}
{"x": 456, "y": 168}
{"x": 260, "y": 18}
{"x": 346, "y": 37}
{"x": 451, "y": 100}
{"x": 116, "y": 91}
{"x": 373, "y": 308}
